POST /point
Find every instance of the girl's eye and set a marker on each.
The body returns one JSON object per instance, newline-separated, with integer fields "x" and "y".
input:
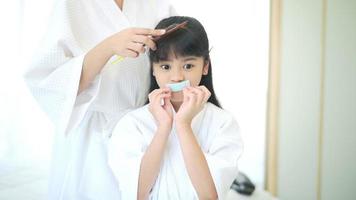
{"x": 188, "y": 66}
{"x": 165, "y": 67}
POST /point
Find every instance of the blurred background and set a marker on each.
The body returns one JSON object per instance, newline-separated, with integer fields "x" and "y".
{"x": 286, "y": 69}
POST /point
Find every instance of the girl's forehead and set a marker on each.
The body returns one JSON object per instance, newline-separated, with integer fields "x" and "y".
{"x": 175, "y": 57}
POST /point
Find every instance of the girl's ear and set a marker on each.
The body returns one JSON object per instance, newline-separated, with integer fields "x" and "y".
{"x": 206, "y": 68}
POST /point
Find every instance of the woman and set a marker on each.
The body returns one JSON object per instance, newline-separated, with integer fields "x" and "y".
{"x": 83, "y": 91}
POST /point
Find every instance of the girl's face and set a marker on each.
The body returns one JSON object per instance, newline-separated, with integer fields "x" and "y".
{"x": 177, "y": 69}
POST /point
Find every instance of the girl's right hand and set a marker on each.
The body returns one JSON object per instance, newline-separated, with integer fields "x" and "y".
{"x": 131, "y": 42}
{"x": 163, "y": 114}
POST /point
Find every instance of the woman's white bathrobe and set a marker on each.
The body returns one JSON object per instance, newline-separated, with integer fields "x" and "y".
{"x": 79, "y": 164}
{"x": 215, "y": 130}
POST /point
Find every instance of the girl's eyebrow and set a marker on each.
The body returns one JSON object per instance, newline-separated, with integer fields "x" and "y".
{"x": 189, "y": 58}
{"x": 184, "y": 59}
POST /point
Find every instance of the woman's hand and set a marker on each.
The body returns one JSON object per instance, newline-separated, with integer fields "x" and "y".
{"x": 127, "y": 43}
{"x": 132, "y": 41}
{"x": 163, "y": 114}
{"x": 194, "y": 99}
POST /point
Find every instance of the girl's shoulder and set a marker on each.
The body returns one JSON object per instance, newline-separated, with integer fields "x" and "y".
{"x": 218, "y": 112}
{"x": 218, "y": 117}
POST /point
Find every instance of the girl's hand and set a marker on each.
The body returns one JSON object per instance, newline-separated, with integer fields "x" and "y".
{"x": 163, "y": 114}
{"x": 193, "y": 102}
{"x": 132, "y": 41}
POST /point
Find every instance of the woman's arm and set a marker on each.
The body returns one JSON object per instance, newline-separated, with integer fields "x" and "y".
{"x": 196, "y": 163}
{"x": 93, "y": 63}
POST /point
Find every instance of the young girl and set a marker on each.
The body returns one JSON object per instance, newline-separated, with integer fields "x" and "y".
{"x": 181, "y": 145}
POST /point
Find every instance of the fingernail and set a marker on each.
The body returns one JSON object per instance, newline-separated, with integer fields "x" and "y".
{"x": 163, "y": 31}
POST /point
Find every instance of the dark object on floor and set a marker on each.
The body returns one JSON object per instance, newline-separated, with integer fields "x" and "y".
{"x": 243, "y": 185}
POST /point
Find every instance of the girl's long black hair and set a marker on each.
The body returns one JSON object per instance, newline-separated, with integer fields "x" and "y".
{"x": 189, "y": 41}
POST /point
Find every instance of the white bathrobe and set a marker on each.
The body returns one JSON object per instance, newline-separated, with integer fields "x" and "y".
{"x": 215, "y": 130}
{"x": 79, "y": 164}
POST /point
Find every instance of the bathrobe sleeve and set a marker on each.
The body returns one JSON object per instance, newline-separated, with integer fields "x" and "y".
{"x": 54, "y": 73}
{"x": 125, "y": 151}
{"x": 222, "y": 156}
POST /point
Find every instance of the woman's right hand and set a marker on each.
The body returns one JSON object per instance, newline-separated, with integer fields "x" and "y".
{"x": 163, "y": 114}
{"x": 126, "y": 43}
{"x": 131, "y": 42}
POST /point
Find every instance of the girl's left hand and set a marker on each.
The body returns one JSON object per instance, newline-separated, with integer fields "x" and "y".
{"x": 194, "y": 99}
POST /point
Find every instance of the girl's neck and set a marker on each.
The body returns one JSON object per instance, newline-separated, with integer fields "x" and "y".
{"x": 119, "y": 3}
{"x": 176, "y": 105}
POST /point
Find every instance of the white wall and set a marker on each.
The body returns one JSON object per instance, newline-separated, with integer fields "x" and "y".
{"x": 299, "y": 99}
{"x": 339, "y": 136}
{"x": 317, "y": 124}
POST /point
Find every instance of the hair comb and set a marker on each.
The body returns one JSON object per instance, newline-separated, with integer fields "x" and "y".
{"x": 171, "y": 29}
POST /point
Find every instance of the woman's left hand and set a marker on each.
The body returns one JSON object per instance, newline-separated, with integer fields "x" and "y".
{"x": 194, "y": 99}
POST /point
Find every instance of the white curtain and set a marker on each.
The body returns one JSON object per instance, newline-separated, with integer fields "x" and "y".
{"x": 25, "y": 132}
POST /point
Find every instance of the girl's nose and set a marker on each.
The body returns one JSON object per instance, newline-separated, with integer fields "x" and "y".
{"x": 177, "y": 76}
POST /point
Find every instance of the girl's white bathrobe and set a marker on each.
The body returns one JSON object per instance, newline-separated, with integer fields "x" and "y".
{"x": 215, "y": 130}
{"x": 79, "y": 164}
